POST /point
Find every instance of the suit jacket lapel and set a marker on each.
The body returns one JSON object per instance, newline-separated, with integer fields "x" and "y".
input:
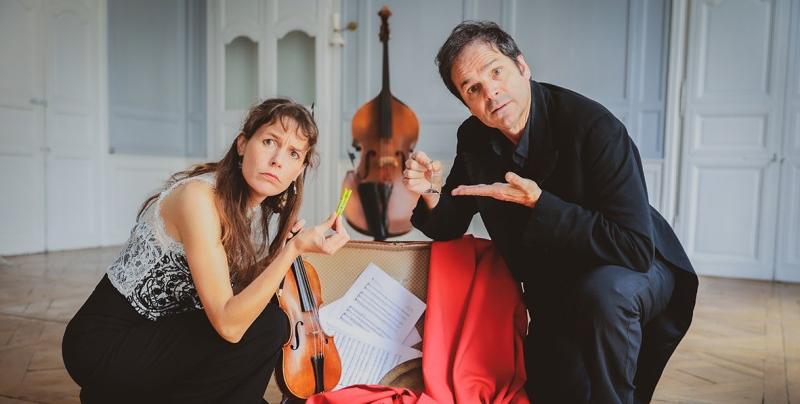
{"x": 542, "y": 152}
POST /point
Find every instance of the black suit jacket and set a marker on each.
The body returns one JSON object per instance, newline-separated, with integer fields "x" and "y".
{"x": 593, "y": 210}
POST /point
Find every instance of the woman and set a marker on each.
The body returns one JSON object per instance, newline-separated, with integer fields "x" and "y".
{"x": 187, "y": 312}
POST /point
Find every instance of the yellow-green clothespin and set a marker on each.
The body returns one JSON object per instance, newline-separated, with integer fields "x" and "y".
{"x": 343, "y": 201}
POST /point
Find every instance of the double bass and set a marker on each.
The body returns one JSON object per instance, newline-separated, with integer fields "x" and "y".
{"x": 310, "y": 363}
{"x": 385, "y": 131}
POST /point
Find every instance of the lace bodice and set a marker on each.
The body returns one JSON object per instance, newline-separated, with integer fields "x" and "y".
{"x": 151, "y": 271}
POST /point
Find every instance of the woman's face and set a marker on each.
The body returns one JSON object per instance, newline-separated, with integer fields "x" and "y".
{"x": 272, "y": 158}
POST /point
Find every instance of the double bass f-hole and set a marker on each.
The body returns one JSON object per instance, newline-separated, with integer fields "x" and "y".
{"x": 368, "y": 156}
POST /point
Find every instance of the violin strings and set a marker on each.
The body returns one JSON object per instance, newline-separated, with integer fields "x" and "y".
{"x": 315, "y": 326}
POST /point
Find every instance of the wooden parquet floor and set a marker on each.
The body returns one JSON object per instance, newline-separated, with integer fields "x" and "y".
{"x": 743, "y": 347}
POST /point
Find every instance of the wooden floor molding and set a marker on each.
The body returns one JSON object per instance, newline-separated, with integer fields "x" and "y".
{"x": 743, "y": 346}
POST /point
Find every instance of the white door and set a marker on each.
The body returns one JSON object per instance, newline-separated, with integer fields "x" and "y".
{"x": 788, "y": 260}
{"x": 22, "y": 223}
{"x": 72, "y": 210}
{"x": 731, "y": 136}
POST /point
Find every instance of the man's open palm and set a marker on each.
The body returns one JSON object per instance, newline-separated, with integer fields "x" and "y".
{"x": 518, "y": 190}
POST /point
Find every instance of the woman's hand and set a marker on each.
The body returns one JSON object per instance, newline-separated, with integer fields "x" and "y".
{"x": 316, "y": 239}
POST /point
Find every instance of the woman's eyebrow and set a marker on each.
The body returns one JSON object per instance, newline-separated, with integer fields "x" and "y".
{"x": 274, "y": 134}
{"x": 304, "y": 148}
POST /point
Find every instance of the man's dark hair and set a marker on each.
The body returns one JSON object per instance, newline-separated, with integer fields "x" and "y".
{"x": 464, "y": 34}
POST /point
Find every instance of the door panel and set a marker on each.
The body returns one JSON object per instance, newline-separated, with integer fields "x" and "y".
{"x": 21, "y": 129}
{"x": 789, "y": 235}
{"x": 732, "y": 125}
{"x": 731, "y": 224}
{"x": 788, "y": 260}
{"x": 72, "y": 219}
{"x": 734, "y": 58}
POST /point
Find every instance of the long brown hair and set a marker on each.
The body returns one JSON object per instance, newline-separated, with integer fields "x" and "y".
{"x": 232, "y": 193}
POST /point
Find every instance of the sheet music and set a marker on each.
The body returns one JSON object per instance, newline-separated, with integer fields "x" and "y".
{"x": 378, "y": 304}
{"x": 366, "y": 358}
{"x": 413, "y": 338}
{"x": 325, "y": 312}
{"x": 373, "y": 326}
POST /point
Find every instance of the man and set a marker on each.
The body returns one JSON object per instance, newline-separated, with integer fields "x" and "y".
{"x": 559, "y": 185}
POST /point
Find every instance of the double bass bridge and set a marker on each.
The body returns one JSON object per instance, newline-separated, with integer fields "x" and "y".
{"x": 388, "y": 161}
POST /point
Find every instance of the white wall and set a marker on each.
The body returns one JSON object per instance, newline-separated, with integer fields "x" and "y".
{"x": 156, "y": 102}
{"x": 156, "y": 77}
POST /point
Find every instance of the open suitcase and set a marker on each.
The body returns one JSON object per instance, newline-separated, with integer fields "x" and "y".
{"x": 407, "y": 262}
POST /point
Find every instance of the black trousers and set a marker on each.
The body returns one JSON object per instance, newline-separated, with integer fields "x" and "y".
{"x": 584, "y": 346}
{"x": 118, "y": 356}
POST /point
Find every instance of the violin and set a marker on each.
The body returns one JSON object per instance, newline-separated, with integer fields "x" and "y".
{"x": 310, "y": 363}
{"x": 385, "y": 131}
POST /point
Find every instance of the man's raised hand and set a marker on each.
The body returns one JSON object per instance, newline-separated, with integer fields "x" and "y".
{"x": 422, "y": 175}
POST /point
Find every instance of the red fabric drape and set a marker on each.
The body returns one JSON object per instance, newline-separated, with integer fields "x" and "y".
{"x": 475, "y": 323}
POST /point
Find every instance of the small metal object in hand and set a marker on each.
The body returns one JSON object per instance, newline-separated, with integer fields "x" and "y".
{"x": 435, "y": 184}
{"x": 431, "y": 190}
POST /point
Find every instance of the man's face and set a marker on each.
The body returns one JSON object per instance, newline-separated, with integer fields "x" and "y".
{"x": 494, "y": 87}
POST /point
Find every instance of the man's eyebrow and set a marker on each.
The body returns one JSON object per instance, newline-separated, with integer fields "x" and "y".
{"x": 463, "y": 83}
{"x": 486, "y": 66}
